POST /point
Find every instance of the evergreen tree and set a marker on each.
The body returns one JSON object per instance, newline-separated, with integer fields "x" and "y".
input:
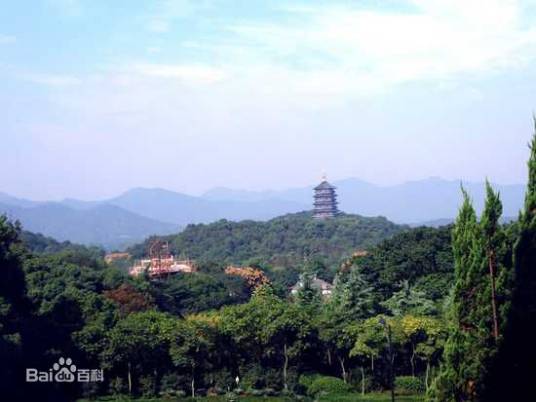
{"x": 308, "y": 296}
{"x": 13, "y": 309}
{"x": 353, "y": 296}
{"x": 512, "y": 375}
{"x": 457, "y": 378}
{"x": 492, "y": 236}
{"x": 488, "y": 284}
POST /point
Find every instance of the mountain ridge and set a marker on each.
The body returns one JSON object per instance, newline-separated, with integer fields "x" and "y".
{"x": 418, "y": 202}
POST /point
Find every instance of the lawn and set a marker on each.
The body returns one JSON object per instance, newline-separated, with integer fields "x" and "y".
{"x": 373, "y": 397}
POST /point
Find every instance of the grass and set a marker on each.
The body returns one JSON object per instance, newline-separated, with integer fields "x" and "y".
{"x": 372, "y": 397}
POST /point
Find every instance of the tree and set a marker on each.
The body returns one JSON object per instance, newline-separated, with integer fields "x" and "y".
{"x": 456, "y": 379}
{"x": 481, "y": 281}
{"x": 139, "y": 343}
{"x": 353, "y": 295}
{"x": 422, "y": 334}
{"x": 493, "y": 241}
{"x": 409, "y": 300}
{"x": 191, "y": 343}
{"x": 13, "y": 308}
{"x": 268, "y": 328}
{"x": 288, "y": 334}
{"x": 369, "y": 342}
{"x": 308, "y": 296}
{"x": 129, "y": 300}
{"x": 335, "y": 330}
{"x": 512, "y": 374}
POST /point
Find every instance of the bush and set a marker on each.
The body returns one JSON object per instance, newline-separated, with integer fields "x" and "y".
{"x": 170, "y": 386}
{"x": 147, "y": 386}
{"x": 117, "y": 386}
{"x": 328, "y": 385}
{"x": 220, "y": 380}
{"x": 307, "y": 379}
{"x": 409, "y": 385}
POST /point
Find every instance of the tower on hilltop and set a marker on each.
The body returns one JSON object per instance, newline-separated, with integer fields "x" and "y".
{"x": 325, "y": 200}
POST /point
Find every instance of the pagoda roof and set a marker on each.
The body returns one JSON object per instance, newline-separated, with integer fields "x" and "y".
{"x": 325, "y": 186}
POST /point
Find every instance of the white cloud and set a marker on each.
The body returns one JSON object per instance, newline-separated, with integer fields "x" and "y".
{"x": 341, "y": 49}
{"x": 7, "y": 39}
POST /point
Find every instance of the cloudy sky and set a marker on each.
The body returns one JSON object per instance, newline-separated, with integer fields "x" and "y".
{"x": 101, "y": 96}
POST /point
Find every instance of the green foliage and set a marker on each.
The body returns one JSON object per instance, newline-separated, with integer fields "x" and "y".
{"x": 409, "y": 385}
{"x": 421, "y": 256}
{"x": 328, "y": 385}
{"x": 40, "y": 244}
{"x": 353, "y": 295}
{"x": 308, "y": 296}
{"x": 480, "y": 301}
{"x": 13, "y": 307}
{"x": 511, "y": 375}
{"x": 201, "y": 331}
{"x": 282, "y": 241}
{"x": 307, "y": 379}
{"x": 409, "y": 300}
{"x": 192, "y": 293}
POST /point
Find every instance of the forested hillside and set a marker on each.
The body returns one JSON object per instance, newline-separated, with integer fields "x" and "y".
{"x": 421, "y": 256}
{"x": 411, "y": 299}
{"x": 283, "y": 241}
{"x": 72, "y": 303}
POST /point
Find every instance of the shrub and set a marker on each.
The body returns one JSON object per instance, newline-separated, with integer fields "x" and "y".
{"x": 307, "y": 379}
{"x": 170, "y": 386}
{"x": 147, "y": 386}
{"x": 255, "y": 392}
{"x": 117, "y": 386}
{"x": 328, "y": 385}
{"x": 409, "y": 385}
{"x": 221, "y": 378}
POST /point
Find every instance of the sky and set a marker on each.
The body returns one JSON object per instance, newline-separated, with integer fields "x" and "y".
{"x": 98, "y": 96}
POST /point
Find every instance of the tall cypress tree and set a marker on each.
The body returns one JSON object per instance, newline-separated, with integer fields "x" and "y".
{"x": 513, "y": 375}
{"x": 479, "y": 302}
{"x": 492, "y": 237}
{"x": 456, "y": 378}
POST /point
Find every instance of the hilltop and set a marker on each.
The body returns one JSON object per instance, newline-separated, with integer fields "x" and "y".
{"x": 283, "y": 241}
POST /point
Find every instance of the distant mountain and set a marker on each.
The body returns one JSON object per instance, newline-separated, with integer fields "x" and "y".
{"x": 414, "y": 202}
{"x": 169, "y": 206}
{"x": 140, "y": 212}
{"x": 104, "y": 225}
{"x": 436, "y": 223}
{"x": 133, "y": 215}
{"x": 7, "y": 199}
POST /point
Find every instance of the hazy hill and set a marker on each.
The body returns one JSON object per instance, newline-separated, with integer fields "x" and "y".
{"x": 139, "y": 212}
{"x": 103, "y": 225}
{"x": 287, "y": 240}
{"x": 132, "y": 216}
{"x": 170, "y": 206}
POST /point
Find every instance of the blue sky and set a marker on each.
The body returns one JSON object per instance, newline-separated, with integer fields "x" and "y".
{"x": 98, "y": 96}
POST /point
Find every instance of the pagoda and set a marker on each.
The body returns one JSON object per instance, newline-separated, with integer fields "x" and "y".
{"x": 325, "y": 203}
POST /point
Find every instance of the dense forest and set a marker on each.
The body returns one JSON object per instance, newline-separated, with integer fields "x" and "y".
{"x": 448, "y": 313}
{"x": 284, "y": 241}
{"x": 72, "y": 303}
